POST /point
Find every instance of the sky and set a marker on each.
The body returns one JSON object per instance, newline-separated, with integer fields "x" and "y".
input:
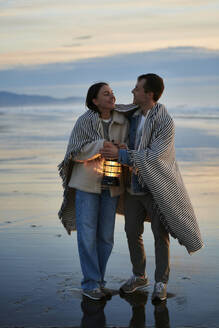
{"x": 45, "y": 31}
{"x": 191, "y": 75}
{"x": 59, "y": 48}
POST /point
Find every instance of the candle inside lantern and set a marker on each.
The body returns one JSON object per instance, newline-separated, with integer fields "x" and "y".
{"x": 111, "y": 173}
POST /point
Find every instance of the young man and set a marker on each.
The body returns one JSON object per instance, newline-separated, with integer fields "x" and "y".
{"x": 156, "y": 189}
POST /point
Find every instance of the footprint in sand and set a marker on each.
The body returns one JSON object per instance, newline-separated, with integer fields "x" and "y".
{"x": 35, "y": 226}
{"x": 47, "y": 309}
{"x": 186, "y": 278}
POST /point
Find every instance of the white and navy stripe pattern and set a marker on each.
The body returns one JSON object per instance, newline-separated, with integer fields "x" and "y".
{"x": 157, "y": 168}
{"x": 85, "y": 130}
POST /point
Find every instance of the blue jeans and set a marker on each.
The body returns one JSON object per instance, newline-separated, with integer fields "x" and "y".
{"x": 95, "y": 221}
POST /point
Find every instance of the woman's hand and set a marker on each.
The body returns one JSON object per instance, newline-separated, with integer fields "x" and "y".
{"x": 106, "y": 143}
{"x": 109, "y": 150}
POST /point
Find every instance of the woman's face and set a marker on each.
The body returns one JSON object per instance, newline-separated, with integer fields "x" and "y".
{"x": 105, "y": 99}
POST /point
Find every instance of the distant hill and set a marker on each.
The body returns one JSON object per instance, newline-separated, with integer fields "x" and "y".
{"x": 13, "y": 99}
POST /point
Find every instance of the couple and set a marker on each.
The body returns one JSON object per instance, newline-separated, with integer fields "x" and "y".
{"x": 141, "y": 137}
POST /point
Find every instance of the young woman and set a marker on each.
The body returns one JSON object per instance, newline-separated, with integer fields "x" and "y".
{"x": 93, "y": 205}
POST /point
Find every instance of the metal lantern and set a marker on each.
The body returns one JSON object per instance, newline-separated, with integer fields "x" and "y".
{"x": 111, "y": 173}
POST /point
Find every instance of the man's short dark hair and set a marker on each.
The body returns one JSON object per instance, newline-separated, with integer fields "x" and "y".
{"x": 154, "y": 83}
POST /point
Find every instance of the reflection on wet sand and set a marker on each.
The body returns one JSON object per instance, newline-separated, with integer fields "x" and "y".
{"x": 138, "y": 302}
{"x": 40, "y": 270}
{"x": 161, "y": 315}
{"x": 94, "y": 316}
{"x": 93, "y": 313}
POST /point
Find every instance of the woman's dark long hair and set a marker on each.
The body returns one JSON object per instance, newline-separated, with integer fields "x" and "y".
{"x": 92, "y": 94}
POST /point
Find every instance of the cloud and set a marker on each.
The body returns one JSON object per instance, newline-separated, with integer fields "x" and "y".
{"x": 31, "y": 30}
{"x": 84, "y": 37}
{"x": 189, "y": 74}
{"x": 72, "y": 45}
{"x": 188, "y": 3}
{"x": 30, "y": 7}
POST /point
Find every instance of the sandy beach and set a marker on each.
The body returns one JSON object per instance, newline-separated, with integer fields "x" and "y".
{"x": 40, "y": 270}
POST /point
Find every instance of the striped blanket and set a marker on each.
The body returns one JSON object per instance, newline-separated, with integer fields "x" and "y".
{"x": 156, "y": 166}
{"x": 85, "y": 130}
{"x": 157, "y": 169}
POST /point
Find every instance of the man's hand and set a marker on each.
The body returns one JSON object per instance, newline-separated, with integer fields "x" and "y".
{"x": 109, "y": 150}
{"x": 123, "y": 146}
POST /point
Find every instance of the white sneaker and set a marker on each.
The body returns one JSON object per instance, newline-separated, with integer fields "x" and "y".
{"x": 94, "y": 294}
{"x": 160, "y": 291}
{"x": 135, "y": 283}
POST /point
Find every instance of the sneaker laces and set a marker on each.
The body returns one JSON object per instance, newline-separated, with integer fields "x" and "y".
{"x": 96, "y": 290}
{"x": 159, "y": 287}
{"x": 131, "y": 280}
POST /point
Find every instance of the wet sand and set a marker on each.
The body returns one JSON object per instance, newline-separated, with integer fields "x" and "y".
{"x": 40, "y": 270}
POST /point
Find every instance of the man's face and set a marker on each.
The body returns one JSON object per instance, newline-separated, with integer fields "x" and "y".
{"x": 139, "y": 95}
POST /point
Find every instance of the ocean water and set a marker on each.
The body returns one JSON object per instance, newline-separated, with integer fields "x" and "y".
{"x": 40, "y": 271}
